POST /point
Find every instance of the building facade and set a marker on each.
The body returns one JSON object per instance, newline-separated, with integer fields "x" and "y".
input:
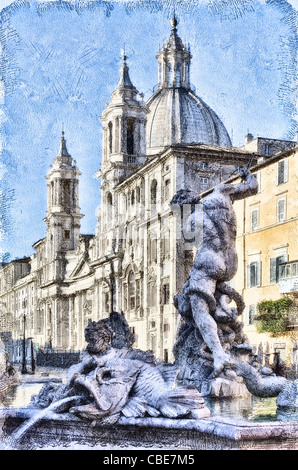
{"x": 141, "y": 253}
{"x": 268, "y": 248}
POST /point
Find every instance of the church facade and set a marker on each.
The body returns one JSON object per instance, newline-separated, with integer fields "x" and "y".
{"x": 140, "y": 255}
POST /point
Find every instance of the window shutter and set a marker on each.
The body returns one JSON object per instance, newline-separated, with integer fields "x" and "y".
{"x": 281, "y": 210}
{"x": 254, "y": 219}
{"x": 280, "y": 172}
{"x": 248, "y": 276}
{"x": 258, "y": 266}
{"x": 279, "y": 261}
{"x": 272, "y": 270}
{"x": 286, "y": 170}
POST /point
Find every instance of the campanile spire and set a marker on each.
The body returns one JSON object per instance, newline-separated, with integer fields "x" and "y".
{"x": 63, "y": 212}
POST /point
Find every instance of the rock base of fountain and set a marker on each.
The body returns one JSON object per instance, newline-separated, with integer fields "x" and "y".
{"x": 65, "y": 430}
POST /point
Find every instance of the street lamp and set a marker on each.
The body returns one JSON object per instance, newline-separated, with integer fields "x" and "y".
{"x": 24, "y": 368}
{"x": 32, "y": 357}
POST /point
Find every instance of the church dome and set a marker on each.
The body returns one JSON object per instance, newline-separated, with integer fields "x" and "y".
{"x": 177, "y": 115}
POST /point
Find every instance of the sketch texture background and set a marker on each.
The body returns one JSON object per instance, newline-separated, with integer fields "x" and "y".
{"x": 59, "y": 65}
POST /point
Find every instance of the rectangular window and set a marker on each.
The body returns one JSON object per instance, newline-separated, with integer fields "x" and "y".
{"x": 138, "y": 300}
{"x": 294, "y": 269}
{"x": 204, "y": 180}
{"x": 254, "y": 274}
{"x": 282, "y": 172}
{"x": 153, "y": 249}
{"x": 166, "y": 355}
{"x": 167, "y": 190}
{"x": 166, "y": 293}
{"x": 274, "y": 268}
{"x": 251, "y": 314}
{"x": 165, "y": 245}
{"x": 151, "y": 294}
{"x": 255, "y": 219}
{"x": 267, "y": 149}
{"x": 107, "y": 302}
{"x": 125, "y": 297}
{"x": 281, "y": 210}
{"x": 66, "y": 234}
{"x": 132, "y": 303}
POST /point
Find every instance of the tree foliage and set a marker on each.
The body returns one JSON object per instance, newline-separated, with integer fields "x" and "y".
{"x": 273, "y": 316}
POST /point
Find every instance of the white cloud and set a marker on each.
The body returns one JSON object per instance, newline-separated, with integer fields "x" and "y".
{"x": 5, "y": 3}
{"x": 294, "y": 3}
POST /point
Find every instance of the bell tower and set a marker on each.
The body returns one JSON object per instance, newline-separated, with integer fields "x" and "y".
{"x": 63, "y": 212}
{"x": 124, "y": 128}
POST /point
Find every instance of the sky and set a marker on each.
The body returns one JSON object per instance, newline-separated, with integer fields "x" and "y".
{"x": 60, "y": 63}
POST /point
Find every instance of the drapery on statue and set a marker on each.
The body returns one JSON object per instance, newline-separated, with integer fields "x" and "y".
{"x": 206, "y": 294}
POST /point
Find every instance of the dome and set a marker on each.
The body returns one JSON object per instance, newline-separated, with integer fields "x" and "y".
{"x": 178, "y": 116}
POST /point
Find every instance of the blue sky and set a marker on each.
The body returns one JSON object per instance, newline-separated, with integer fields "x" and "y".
{"x": 59, "y": 66}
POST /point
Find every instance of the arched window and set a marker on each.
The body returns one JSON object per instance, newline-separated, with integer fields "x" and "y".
{"x": 130, "y": 136}
{"x": 52, "y": 193}
{"x": 117, "y": 143}
{"x": 159, "y": 73}
{"x": 138, "y": 194}
{"x": 110, "y": 137}
{"x": 125, "y": 297}
{"x": 178, "y": 75}
{"x": 66, "y": 193}
{"x": 109, "y": 199}
{"x": 132, "y": 197}
{"x": 131, "y": 290}
{"x": 107, "y": 302}
{"x": 153, "y": 192}
{"x": 169, "y": 76}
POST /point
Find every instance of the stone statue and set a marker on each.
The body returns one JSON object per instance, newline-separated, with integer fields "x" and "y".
{"x": 211, "y": 349}
{"x": 110, "y": 382}
{"x": 205, "y": 294}
{"x": 8, "y": 374}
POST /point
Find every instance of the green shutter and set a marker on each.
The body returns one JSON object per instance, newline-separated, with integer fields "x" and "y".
{"x": 258, "y": 274}
{"x": 273, "y": 270}
{"x": 248, "y": 275}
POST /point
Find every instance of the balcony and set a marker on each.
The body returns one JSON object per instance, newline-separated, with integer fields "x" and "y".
{"x": 130, "y": 159}
{"x": 288, "y": 278}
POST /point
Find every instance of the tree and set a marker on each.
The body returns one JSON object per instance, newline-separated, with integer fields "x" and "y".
{"x": 273, "y": 316}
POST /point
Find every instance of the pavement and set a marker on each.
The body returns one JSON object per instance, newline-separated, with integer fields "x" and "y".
{"x": 43, "y": 375}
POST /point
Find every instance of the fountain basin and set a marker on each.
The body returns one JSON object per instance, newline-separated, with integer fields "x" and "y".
{"x": 214, "y": 433}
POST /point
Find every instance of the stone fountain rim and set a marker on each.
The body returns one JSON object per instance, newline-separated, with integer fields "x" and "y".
{"x": 231, "y": 428}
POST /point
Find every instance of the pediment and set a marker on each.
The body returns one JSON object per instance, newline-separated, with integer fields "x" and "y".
{"x": 82, "y": 269}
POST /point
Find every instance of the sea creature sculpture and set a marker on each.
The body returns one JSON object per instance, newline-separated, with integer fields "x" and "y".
{"x": 109, "y": 382}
